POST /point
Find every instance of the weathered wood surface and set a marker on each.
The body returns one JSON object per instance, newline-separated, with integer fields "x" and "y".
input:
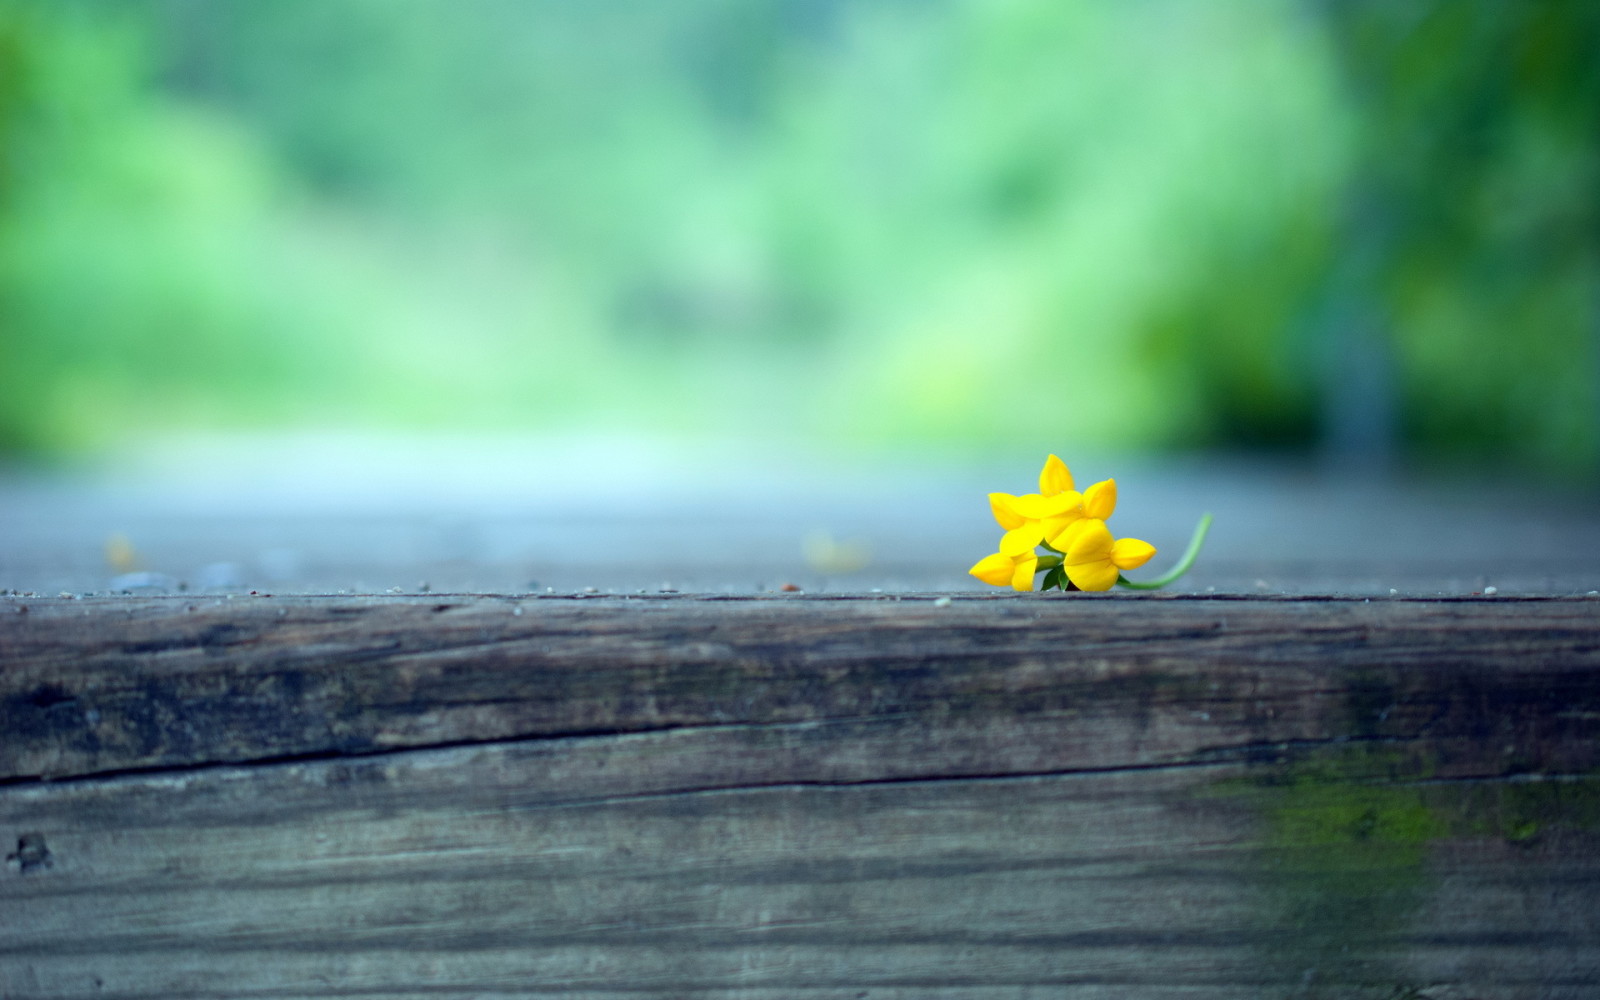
{"x": 995, "y": 797}
{"x": 110, "y": 684}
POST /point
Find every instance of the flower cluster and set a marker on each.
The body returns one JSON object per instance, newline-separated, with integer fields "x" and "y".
{"x": 1082, "y": 554}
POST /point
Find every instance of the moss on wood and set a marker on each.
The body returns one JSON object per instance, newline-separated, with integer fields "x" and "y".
{"x": 1348, "y": 853}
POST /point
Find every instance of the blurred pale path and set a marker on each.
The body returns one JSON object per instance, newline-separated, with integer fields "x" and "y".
{"x": 369, "y": 514}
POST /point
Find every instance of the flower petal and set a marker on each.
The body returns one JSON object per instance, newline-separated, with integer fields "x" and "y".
{"x": 1062, "y": 541}
{"x": 1019, "y": 540}
{"x": 1069, "y": 503}
{"x": 1054, "y": 477}
{"x": 1001, "y": 504}
{"x": 1056, "y": 527}
{"x": 995, "y": 570}
{"x": 1029, "y": 505}
{"x": 1022, "y": 576}
{"x": 1131, "y": 553}
{"x": 1093, "y": 576}
{"x": 1100, "y": 500}
{"x": 1090, "y": 543}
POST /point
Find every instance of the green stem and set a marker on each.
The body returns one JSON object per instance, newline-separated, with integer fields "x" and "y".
{"x": 1188, "y": 559}
{"x": 1048, "y": 562}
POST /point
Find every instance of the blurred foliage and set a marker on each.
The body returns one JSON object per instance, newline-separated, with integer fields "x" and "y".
{"x": 1160, "y": 223}
{"x": 135, "y": 247}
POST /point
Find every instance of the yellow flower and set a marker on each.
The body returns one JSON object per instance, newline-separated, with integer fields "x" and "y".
{"x": 1093, "y": 560}
{"x": 1042, "y": 516}
{"x": 1001, "y": 570}
{"x": 1073, "y": 526}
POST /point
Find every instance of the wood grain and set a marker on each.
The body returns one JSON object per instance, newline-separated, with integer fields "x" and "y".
{"x": 679, "y": 864}
{"x": 680, "y": 797}
{"x": 97, "y": 686}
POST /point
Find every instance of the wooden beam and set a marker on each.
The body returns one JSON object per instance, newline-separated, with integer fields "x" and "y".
{"x": 109, "y": 685}
{"x": 1005, "y": 797}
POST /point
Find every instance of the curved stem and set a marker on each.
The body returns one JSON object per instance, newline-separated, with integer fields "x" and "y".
{"x": 1188, "y": 559}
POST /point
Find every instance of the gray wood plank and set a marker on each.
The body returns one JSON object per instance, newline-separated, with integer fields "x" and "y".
{"x": 652, "y": 864}
{"x": 98, "y": 686}
{"x": 994, "y": 797}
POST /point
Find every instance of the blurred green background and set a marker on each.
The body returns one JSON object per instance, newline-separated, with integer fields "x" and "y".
{"x": 1360, "y": 228}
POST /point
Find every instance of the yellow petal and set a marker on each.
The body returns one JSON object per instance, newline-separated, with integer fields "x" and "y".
{"x": 995, "y": 570}
{"x": 1029, "y": 505}
{"x": 1062, "y": 540}
{"x": 1100, "y": 500}
{"x": 1069, "y": 503}
{"x": 1022, "y": 576}
{"x": 1055, "y": 528}
{"x": 1019, "y": 540}
{"x": 1131, "y": 553}
{"x": 1001, "y": 504}
{"x": 1099, "y": 575}
{"x": 1090, "y": 543}
{"x": 1054, "y": 477}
